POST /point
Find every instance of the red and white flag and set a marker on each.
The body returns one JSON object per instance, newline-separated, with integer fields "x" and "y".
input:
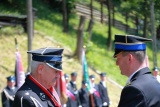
{"x": 61, "y": 88}
{"x": 19, "y": 72}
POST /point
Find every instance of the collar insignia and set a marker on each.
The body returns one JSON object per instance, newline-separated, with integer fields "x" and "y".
{"x": 128, "y": 83}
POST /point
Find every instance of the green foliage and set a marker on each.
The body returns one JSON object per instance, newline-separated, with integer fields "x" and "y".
{"x": 49, "y": 23}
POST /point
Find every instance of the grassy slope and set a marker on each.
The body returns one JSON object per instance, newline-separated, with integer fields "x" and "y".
{"x": 50, "y": 23}
{"x": 7, "y": 63}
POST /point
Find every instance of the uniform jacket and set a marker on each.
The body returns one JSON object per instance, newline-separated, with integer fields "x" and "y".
{"x": 71, "y": 102}
{"x": 104, "y": 93}
{"x": 8, "y": 95}
{"x": 30, "y": 95}
{"x": 142, "y": 91}
{"x": 84, "y": 97}
{"x": 72, "y": 87}
{"x": 96, "y": 97}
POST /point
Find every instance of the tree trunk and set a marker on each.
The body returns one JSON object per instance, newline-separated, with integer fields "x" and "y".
{"x": 90, "y": 26}
{"x": 109, "y": 43}
{"x": 80, "y": 31}
{"x": 30, "y": 30}
{"x": 145, "y": 26}
{"x": 126, "y": 22}
{"x": 158, "y": 32}
{"x": 113, "y": 14}
{"x": 91, "y": 8}
{"x": 101, "y": 2}
{"x": 145, "y": 19}
{"x": 137, "y": 24}
{"x": 65, "y": 16}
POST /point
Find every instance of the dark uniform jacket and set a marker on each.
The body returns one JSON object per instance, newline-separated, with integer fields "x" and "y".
{"x": 72, "y": 87}
{"x": 84, "y": 97}
{"x": 30, "y": 95}
{"x": 96, "y": 97}
{"x": 71, "y": 102}
{"x": 104, "y": 93}
{"x": 8, "y": 95}
{"x": 142, "y": 91}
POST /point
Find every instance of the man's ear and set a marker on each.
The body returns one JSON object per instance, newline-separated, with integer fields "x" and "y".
{"x": 130, "y": 58}
{"x": 40, "y": 68}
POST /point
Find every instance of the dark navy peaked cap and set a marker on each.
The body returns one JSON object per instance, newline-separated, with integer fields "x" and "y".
{"x": 51, "y": 56}
{"x": 92, "y": 77}
{"x": 74, "y": 74}
{"x": 129, "y": 43}
{"x": 103, "y": 74}
{"x": 11, "y": 78}
{"x": 66, "y": 76}
{"x": 155, "y": 69}
{"x": 84, "y": 82}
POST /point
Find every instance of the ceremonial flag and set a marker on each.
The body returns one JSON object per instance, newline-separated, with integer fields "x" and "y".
{"x": 86, "y": 76}
{"x": 85, "y": 70}
{"x": 61, "y": 88}
{"x": 19, "y": 72}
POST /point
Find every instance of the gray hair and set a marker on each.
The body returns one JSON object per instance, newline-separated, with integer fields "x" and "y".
{"x": 34, "y": 65}
{"x": 139, "y": 55}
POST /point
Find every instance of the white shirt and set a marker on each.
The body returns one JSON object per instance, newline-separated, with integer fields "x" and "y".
{"x": 158, "y": 78}
{"x": 129, "y": 79}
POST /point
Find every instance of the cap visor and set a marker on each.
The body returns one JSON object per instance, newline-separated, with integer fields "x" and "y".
{"x": 52, "y": 65}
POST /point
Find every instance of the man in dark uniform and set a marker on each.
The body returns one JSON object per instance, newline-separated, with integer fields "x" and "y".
{"x": 71, "y": 102}
{"x": 38, "y": 89}
{"x": 84, "y": 95}
{"x": 9, "y": 92}
{"x": 155, "y": 72}
{"x": 142, "y": 89}
{"x": 103, "y": 90}
{"x": 95, "y": 98}
{"x": 72, "y": 87}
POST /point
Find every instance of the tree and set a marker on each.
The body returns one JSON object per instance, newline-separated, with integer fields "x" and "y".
{"x": 109, "y": 41}
{"x": 80, "y": 33}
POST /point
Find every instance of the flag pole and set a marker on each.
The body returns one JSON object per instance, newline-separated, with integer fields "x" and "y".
{"x": 16, "y": 43}
{"x": 85, "y": 75}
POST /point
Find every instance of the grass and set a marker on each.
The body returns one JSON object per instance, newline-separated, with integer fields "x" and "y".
{"x": 7, "y": 63}
{"x": 48, "y": 28}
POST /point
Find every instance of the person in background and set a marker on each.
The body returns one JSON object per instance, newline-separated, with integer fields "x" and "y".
{"x": 103, "y": 90}
{"x": 72, "y": 86}
{"x": 72, "y": 99}
{"x": 94, "y": 97}
{"x": 142, "y": 89}
{"x": 155, "y": 71}
{"x": 66, "y": 76}
{"x": 38, "y": 90}
{"x": 84, "y": 95}
{"x": 8, "y": 93}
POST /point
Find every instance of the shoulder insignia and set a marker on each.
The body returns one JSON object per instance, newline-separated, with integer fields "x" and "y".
{"x": 42, "y": 96}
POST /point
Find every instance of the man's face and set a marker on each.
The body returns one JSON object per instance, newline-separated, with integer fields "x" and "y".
{"x": 121, "y": 62}
{"x": 74, "y": 78}
{"x": 49, "y": 76}
{"x": 103, "y": 78}
{"x": 11, "y": 84}
{"x": 155, "y": 73}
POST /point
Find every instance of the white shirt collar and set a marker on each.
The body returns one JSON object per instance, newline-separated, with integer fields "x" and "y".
{"x": 128, "y": 81}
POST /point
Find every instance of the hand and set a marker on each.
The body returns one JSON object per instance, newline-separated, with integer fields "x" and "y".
{"x": 105, "y": 104}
